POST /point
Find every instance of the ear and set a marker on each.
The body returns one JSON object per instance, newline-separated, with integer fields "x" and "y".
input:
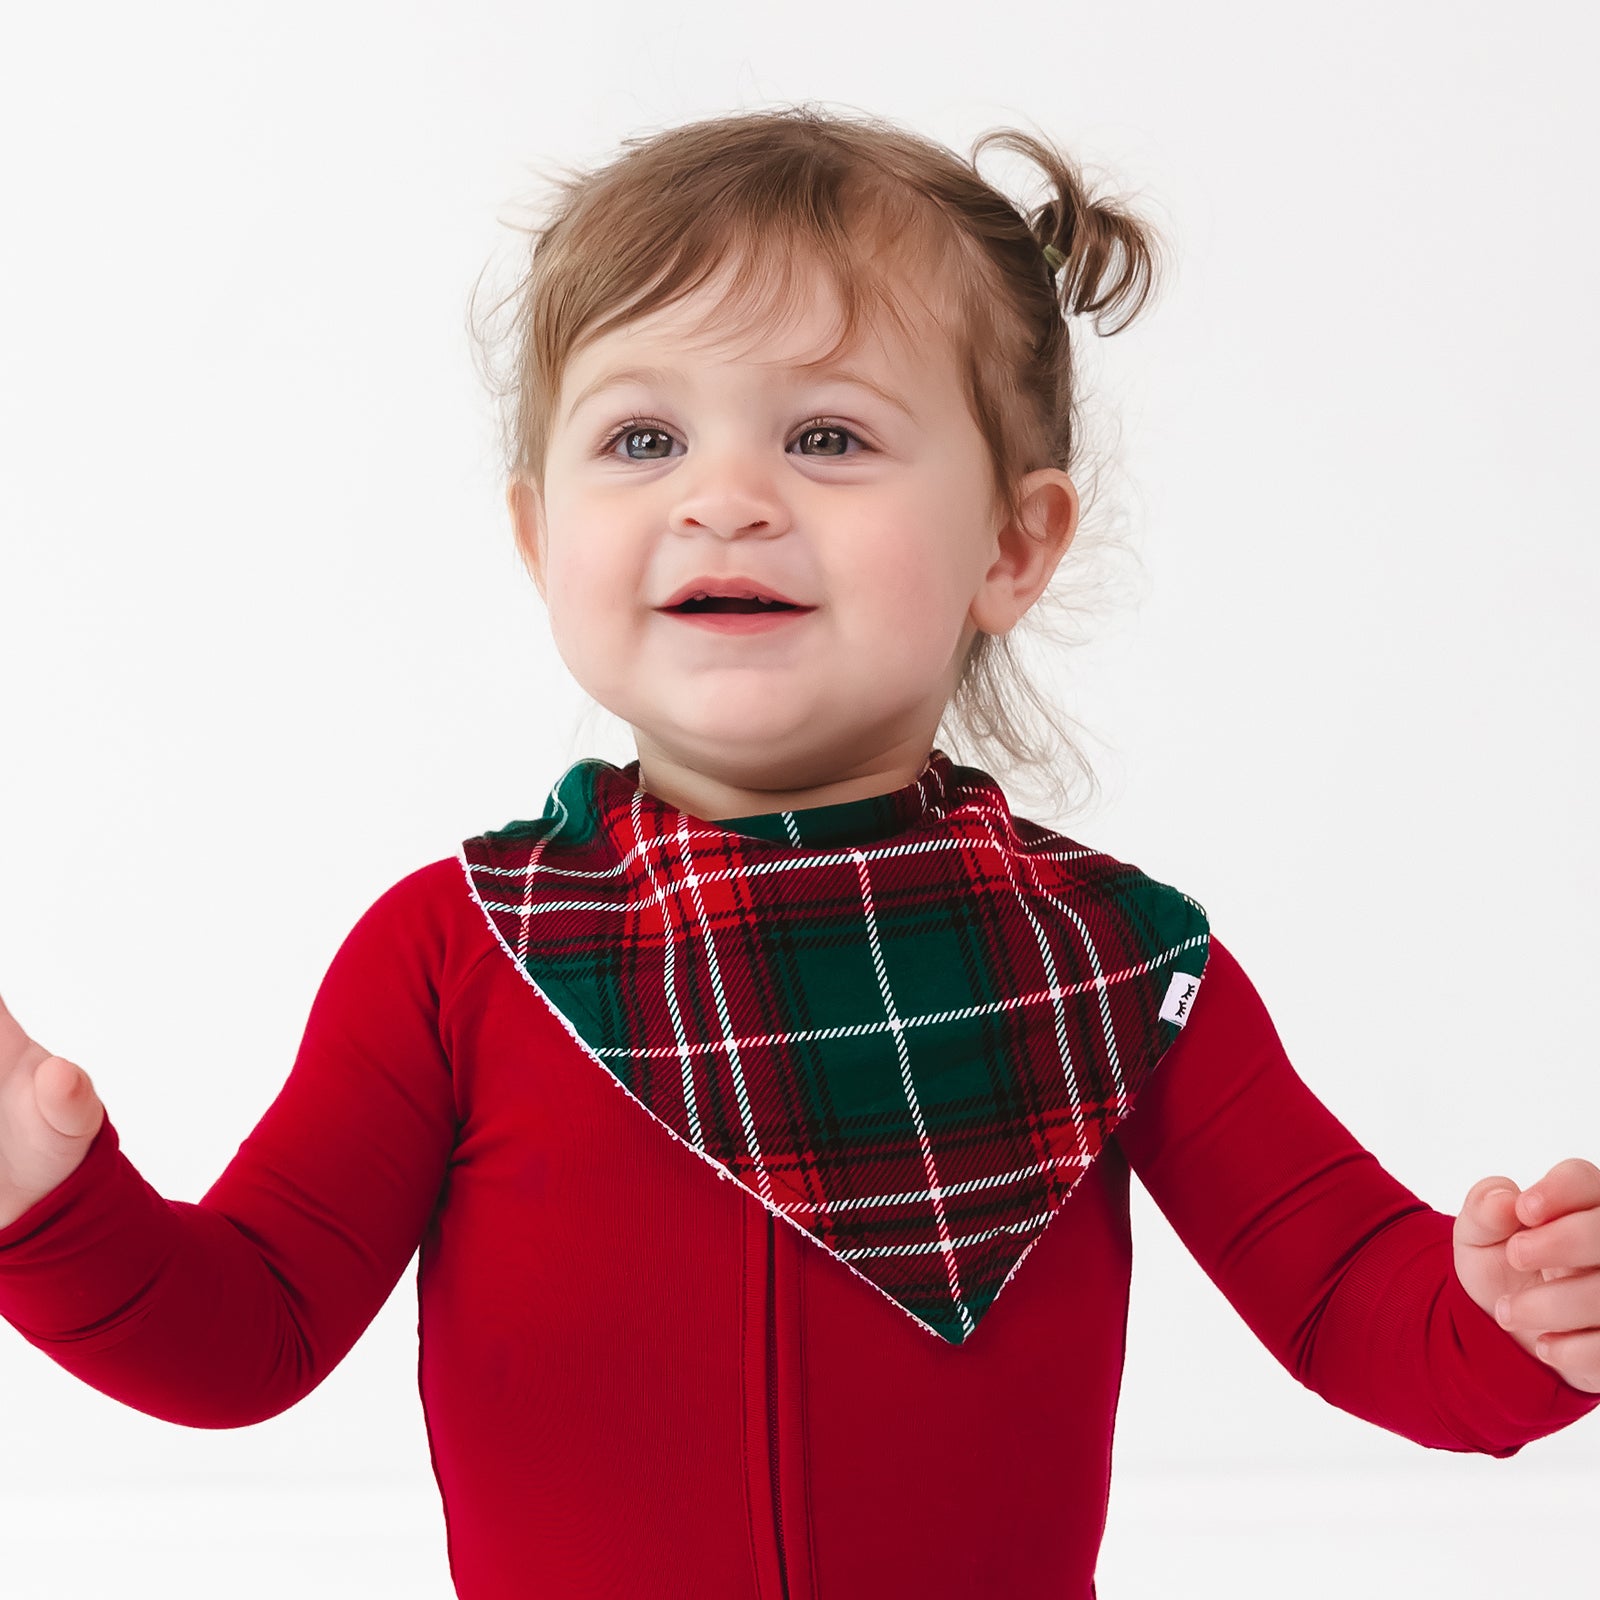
{"x": 527, "y": 520}
{"x": 1029, "y": 551}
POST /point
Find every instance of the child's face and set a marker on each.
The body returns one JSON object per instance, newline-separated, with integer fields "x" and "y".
{"x": 890, "y": 536}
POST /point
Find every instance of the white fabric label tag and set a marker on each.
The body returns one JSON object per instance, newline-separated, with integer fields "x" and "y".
{"x": 1180, "y": 997}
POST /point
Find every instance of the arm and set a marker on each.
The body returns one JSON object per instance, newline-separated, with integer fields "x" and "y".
{"x": 229, "y": 1311}
{"x": 1343, "y": 1274}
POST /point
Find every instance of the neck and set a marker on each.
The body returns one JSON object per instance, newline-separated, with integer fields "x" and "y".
{"x": 715, "y": 795}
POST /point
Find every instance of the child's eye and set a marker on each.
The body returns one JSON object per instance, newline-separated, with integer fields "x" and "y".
{"x": 648, "y": 425}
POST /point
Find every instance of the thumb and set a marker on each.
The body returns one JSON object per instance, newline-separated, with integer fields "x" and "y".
{"x": 1489, "y": 1213}
{"x": 66, "y": 1098}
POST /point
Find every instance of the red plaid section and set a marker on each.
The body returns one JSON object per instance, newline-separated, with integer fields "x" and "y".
{"x": 905, "y": 1024}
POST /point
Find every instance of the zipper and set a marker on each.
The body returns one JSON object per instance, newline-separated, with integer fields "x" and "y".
{"x": 772, "y": 1395}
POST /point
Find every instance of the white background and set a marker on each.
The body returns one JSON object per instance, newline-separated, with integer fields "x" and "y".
{"x": 267, "y": 648}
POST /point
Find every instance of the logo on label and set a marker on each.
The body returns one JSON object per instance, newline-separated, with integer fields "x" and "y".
{"x": 1180, "y": 997}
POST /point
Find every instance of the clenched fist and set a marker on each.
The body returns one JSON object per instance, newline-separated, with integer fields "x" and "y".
{"x": 49, "y": 1115}
{"x": 1531, "y": 1259}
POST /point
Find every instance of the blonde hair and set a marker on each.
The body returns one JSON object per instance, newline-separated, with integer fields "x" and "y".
{"x": 783, "y": 191}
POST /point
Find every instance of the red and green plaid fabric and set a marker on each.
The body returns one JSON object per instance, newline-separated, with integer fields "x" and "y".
{"x": 906, "y": 1024}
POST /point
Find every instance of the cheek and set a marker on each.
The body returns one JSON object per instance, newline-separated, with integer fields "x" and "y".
{"x": 584, "y": 605}
{"x": 586, "y": 579}
{"x": 907, "y": 584}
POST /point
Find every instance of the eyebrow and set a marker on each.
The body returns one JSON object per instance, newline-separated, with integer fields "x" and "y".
{"x": 664, "y": 378}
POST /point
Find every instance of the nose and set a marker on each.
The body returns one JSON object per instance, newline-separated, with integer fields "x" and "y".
{"x": 728, "y": 516}
{"x": 727, "y": 528}
{"x": 730, "y": 495}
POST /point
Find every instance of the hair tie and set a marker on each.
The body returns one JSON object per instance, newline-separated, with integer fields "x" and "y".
{"x": 1053, "y": 259}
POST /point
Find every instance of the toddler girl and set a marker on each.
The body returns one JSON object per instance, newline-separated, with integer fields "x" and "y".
{"x": 794, "y": 408}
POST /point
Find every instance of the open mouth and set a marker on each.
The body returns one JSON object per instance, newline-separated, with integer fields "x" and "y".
{"x": 727, "y": 615}
{"x": 730, "y": 603}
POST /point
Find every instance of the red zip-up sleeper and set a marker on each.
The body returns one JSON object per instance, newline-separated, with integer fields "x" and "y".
{"x": 637, "y": 1383}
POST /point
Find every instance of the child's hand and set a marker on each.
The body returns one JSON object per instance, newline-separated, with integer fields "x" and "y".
{"x": 1530, "y": 1261}
{"x": 49, "y": 1115}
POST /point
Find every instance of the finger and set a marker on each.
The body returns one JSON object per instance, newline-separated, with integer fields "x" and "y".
{"x": 1570, "y": 1185}
{"x": 66, "y": 1099}
{"x": 12, "y": 1037}
{"x": 1559, "y": 1305}
{"x": 1576, "y": 1356}
{"x": 1488, "y": 1214}
{"x": 1569, "y": 1241}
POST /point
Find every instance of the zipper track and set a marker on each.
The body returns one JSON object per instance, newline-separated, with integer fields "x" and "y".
{"x": 772, "y": 1395}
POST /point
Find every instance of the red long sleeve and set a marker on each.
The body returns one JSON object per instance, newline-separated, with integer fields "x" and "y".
{"x": 226, "y": 1312}
{"x": 600, "y": 1317}
{"x": 1341, "y": 1271}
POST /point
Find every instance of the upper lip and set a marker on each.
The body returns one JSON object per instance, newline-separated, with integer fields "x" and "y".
{"x": 732, "y": 588}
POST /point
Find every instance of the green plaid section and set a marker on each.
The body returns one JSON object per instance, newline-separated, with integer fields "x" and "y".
{"x": 906, "y": 1024}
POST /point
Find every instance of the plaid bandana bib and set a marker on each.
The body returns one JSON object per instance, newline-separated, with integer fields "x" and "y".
{"x": 905, "y": 1024}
